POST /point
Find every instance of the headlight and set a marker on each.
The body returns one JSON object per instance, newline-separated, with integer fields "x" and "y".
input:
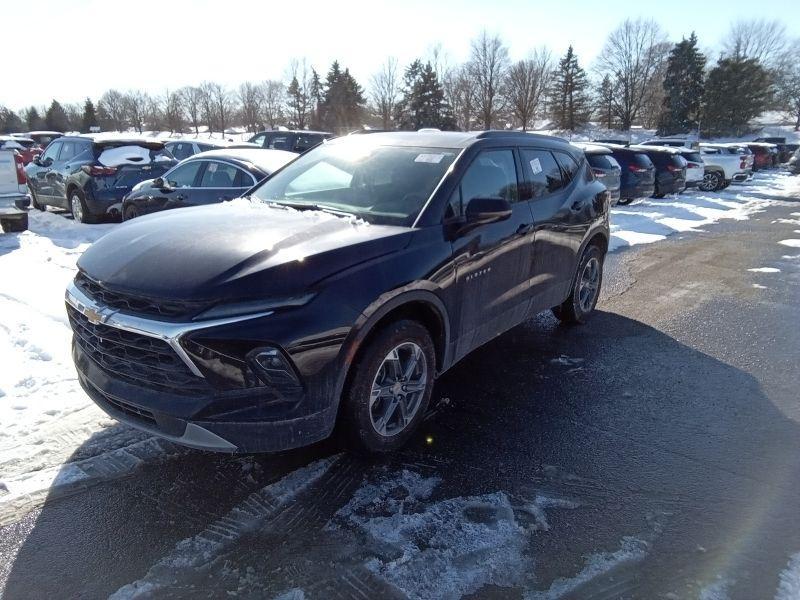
{"x": 222, "y": 311}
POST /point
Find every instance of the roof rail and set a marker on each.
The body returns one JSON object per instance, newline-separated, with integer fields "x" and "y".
{"x": 498, "y": 133}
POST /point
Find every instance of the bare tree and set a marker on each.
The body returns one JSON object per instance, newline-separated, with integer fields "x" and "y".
{"x": 192, "y": 101}
{"x": 632, "y": 57}
{"x": 298, "y": 93}
{"x": 274, "y": 94}
{"x": 487, "y": 69}
{"x": 460, "y": 95}
{"x": 112, "y": 103}
{"x": 208, "y": 109}
{"x": 136, "y": 102}
{"x": 154, "y": 112}
{"x": 764, "y": 40}
{"x": 526, "y": 84}
{"x": 250, "y": 99}
{"x": 788, "y": 86}
{"x": 174, "y": 103}
{"x": 385, "y": 91}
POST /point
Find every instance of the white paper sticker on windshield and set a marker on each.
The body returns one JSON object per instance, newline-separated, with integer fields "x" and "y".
{"x": 536, "y": 166}
{"x": 429, "y": 158}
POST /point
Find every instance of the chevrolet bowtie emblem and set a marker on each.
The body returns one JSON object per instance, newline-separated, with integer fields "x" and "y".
{"x": 95, "y": 317}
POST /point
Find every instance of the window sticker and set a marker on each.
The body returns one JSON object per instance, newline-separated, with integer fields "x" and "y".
{"x": 429, "y": 158}
{"x": 212, "y": 167}
{"x": 536, "y": 166}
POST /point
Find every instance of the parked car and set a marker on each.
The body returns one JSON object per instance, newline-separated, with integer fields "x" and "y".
{"x": 673, "y": 142}
{"x": 638, "y": 174}
{"x": 184, "y": 148}
{"x": 26, "y": 147}
{"x": 205, "y": 178}
{"x": 42, "y": 138}
{"x": 794, "y": 163}
{"x": 763, "y": 155}
{"x": 294, "y": 141}
{"x": 13, "y": 193}
{"x": 670, "y": 169}
{"x": 695, "y": 167}
{"x": 354, "y": 277}
{"x": 604, "y": 166}
{"x": 783, "y": 150}
{"x": 90, "y": 174}
{"x": 617, "y": 141}
{"x": 724, "y": 164}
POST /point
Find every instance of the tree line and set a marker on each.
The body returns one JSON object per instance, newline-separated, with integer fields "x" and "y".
{"x": 639, "y": 78}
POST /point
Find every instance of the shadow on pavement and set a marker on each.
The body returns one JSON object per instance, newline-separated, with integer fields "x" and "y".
{"x": 648, "y": 437}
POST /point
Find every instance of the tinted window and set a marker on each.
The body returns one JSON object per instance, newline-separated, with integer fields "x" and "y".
{"x": 600, "y": 161}
{"x": 242, "y": 180}
{"x": 258, "y": 139}
{"x": 642, "y": 160}
{"x": 493, "y": 174}
{"x": 304, "y": 142}
{"x": 184, "y": 175}
{"x": 204, "y": 147}
{"x": 568, "y": 165}
{"x": 218, "y": 175}
{"x": 181, "y": 150}
{"x": 68, "y": 150}
{"x": 543, "y": 172}
{"x": 279, "y": 142}
{"x": 52, "y": 151}
{"x": 693, "y": 156}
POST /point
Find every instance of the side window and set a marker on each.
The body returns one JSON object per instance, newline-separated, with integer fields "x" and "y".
{"x": 493, "y": 174}
{"x": 204, "y": 147}
{"x": 304, "y": 142}
{"x": 568, "y": 165}
{"x": 52, "y": 151}
{"x": 218, "y": 175}
{"x": 181, "y": 150}
{"x": 279, "y": 142}
{"x": 242, "y": 179}
{"x": 544, "y": 173}
{"x": 68, "y": 150}
{"x": 259, "y": 139}
{"x": 184, "y": 175}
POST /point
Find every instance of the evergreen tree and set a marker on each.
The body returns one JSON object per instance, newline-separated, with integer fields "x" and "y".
{"x": 33, "y": 119}
{"x": 569, "y": 96}
{"x": 10, "y": 121}
{"x": 683, "y": 88}
{"x": 423, "y": 103}
{"x": 298, "y": 104}
{"x": 737, "y": 90}
{"x": 315, "y": 100}
{"x": 343, "y": 100}
{"x": 55, "y": 119}
{"x": 605, "y": 102}
{"x": 89, "y": 118}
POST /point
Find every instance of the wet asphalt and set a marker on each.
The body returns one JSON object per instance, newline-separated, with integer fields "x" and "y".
{"x": 670, "y": 423}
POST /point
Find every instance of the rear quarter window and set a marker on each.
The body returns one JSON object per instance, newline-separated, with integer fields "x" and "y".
{"x": 600, "y": 161}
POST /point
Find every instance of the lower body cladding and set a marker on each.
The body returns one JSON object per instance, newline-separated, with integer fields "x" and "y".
{"x": 634, "y": 192}
{"x": 213, "y": 387}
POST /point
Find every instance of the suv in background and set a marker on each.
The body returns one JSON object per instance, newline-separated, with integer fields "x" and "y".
{"x": 637, "y": 175}
{"x": 42, "y": 138}
{"x": 87, "y": 174}
{"x": 672, "y": 143}
{"x": 670, "y": 169}
{"x": 724, "y": 164}
{"x": 13, "y": 193}
{"x": 338, "y": 291}
{"x": 604, "y": 166}
{"x": 182, "y": 149}
{"x": 784, "y": 151}
{"x": 26, "y": 147}
{"x": 794, "y": 163}
{"x": 294, "y": 141}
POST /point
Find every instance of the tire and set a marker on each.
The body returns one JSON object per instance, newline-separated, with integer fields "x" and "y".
{"x": 578, "y": 307}
{"x": 34, "y": 201}
{"x": 78, "y": 208}
{"x": 713, "y": 181}
{"x": 624, "y": 201}
{"x": 14, "y": 225}
{"x": 373, "y": 370}
{"x": 129, "y": 212}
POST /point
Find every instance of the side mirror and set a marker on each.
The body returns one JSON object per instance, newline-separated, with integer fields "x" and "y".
{"x": 36, "y": 160}
{"x": 481, "y": 211}
{"x": 159, "y": 183}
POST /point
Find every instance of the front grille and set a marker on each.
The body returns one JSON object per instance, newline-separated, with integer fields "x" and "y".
{"x": 136, "y": 358}
{"x": 134, "y": 412}
{"x": 169, "y": 309}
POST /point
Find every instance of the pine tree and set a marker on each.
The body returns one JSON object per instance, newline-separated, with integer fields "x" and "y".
{"x": 56, "y": 118}
{"x": 605, "y": 102}
{"x": 737, "y": 90}
{"x": 33, "y": 119}
{"x": 683, "y": 88}
{"x": 343, "y": 100}
{"x": 298, "y": 104}
{"x": 423, "y": 103}
{"x": 89, "y": 118}
{"x": 10, "y": 121}
{"x": 569, "y": 96}
{"x": 315, "y": 100}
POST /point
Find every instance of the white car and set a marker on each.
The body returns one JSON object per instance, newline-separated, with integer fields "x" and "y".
{"x": 184, "y": 148}
{"x": 722, "y": 167}
{"x": 672, "y": 142}
{"x": 13, "y": 192}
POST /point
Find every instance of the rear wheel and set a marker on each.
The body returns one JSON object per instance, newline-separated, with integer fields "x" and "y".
{"x": 130, "y": 212}
{"x": 585, "y": 289}
{"x": 624, "y": 201}
{"x": 712, "y": 181}
{"x": 78, "y": 208}
{"x": 390, "y": 387}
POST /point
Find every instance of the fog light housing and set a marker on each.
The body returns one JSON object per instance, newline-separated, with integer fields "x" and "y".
{"x": 275, "y": 370}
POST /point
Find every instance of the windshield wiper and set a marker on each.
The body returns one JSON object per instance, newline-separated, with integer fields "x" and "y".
{"x": 310, "y": 206}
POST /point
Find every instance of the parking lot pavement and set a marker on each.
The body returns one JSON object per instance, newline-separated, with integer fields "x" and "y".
{"x": 651, "y": 453}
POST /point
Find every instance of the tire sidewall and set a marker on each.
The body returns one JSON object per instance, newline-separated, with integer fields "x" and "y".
{"x": 357, "y": 395}
{"x": 591, "y": 252}
{"x": 34, "y": 200}
{"x": 79, "y": 196}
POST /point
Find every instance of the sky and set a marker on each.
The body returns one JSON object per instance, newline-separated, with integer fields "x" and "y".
{"x": 73, "y": 49}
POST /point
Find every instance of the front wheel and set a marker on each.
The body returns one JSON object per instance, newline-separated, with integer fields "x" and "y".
{"x": 712, "y": 181}
{"x": 585, "y": 289}
{"x": 77, "y": 206}
{"x": 390, "y": 387}
{"x": 130, "y": 212}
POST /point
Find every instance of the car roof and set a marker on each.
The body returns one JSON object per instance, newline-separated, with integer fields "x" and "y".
{"x": 590, "y": 148}
{"x": 293, "y": 131}
{"x": 621, "y": 147}
{"x": 211, "y": 142}
{"x": 44, "y": 133}
{"x": 448, "y": 139}
{"x": 664, "y": 149}
{"x": 106, "y": 139}
{"x": 262, "y": 158}
{"x": 14, "y": 138}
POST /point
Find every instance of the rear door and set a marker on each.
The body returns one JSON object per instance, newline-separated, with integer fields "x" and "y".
{"x": 64, "y": 165}
{"x": 221, "y": 181}
{"x": 42, "y": 179}
{"x": 182, "y": 185}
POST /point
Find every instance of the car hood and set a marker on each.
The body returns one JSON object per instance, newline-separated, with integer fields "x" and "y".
{"x": 232, "y": 251}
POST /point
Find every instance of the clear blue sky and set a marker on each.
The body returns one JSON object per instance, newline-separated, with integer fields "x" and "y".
{"x": 78, "y": 48}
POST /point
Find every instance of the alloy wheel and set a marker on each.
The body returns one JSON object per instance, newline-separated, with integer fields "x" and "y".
{"x": 709, "y": 182}
{"x": 589, "y": 284}
{"x": 76, "y": 207}
{"x": 397, "y": 389}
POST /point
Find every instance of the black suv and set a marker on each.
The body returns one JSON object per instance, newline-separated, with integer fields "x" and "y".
{"x": 89, "y": 175}
{"x": 293, "y": 141}
{"x": 638, "y": 174}
{"x": 338, "y": 290}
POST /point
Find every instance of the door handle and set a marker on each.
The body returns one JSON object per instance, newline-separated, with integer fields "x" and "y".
{"x": 576, "y": 206}
{"x": 180, "y": 197}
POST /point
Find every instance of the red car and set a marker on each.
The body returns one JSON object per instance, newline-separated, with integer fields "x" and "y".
{"x": 26, "y": 147}
{"x": 762, "y": 157}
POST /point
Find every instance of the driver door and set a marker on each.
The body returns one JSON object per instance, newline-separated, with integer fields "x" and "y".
{"x": 42, "y": 182}
{"x": 493, "y": 260}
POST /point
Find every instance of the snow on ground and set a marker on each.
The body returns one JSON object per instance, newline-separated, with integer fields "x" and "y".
{"x": 789, "y": 586}
{"x": 46, "y": 416}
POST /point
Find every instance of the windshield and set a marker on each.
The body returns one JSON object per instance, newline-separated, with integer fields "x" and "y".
{"x": 387, "y": 185}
